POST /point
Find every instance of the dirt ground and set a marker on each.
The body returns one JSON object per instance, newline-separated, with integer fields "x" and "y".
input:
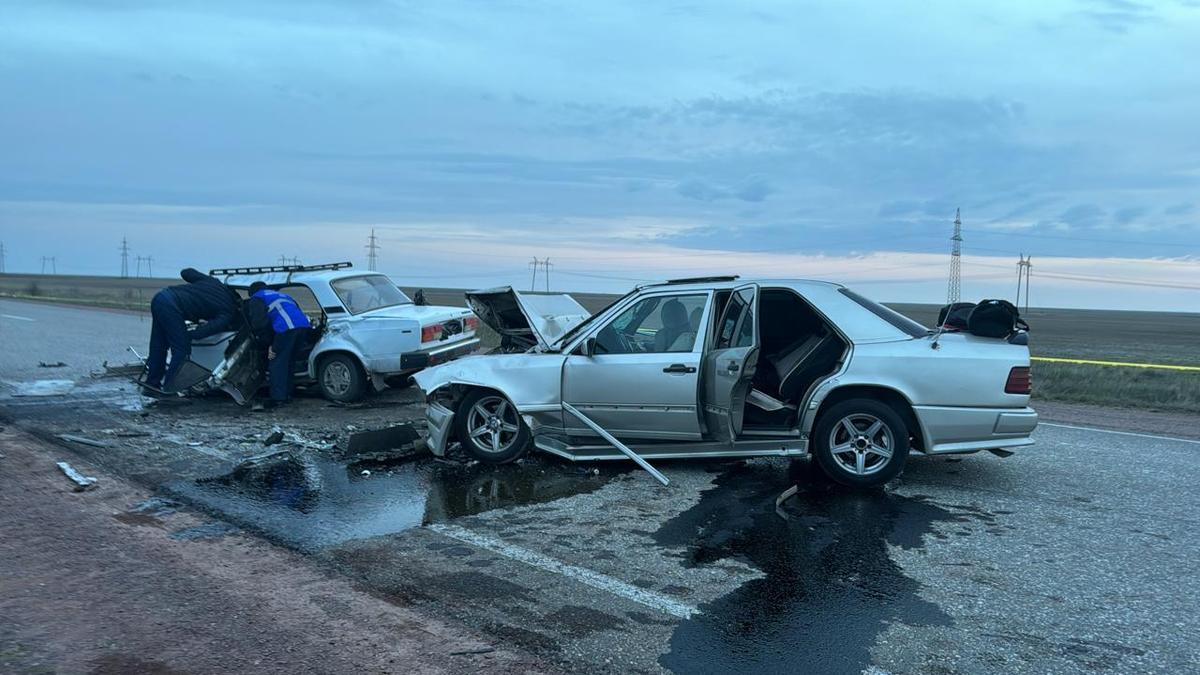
{"x": 87, "y": 586}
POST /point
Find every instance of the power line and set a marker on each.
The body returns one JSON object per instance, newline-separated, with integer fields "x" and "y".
{"x": 372, "y": 251}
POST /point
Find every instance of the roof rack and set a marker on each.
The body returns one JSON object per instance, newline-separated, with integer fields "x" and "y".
{"x": 280, "y": 268}
{"x": 703, "y": 280}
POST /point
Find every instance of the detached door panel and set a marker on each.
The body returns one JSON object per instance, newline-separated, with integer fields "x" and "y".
{"x": 730, "y": 365}
{"x": 643, "y": 382}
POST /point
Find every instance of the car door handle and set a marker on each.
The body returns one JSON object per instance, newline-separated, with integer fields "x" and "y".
{"x": 733, "y": 367}
{"x": 678, "y": 368}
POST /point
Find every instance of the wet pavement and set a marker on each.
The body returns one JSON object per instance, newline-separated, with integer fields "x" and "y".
{"x": 1076, "y": 555}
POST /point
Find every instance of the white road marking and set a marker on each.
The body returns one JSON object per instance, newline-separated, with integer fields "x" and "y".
{"x": 18, "y": 318}
{"x": 1121, "y": 433}
{"x": 596, "y": 580}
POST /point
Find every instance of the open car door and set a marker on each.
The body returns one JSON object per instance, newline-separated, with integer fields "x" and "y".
{"x": 730, "y": 364}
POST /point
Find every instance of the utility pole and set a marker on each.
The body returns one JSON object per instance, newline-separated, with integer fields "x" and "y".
{"x": 372, "y": 252}
{"x": 534, "y": 265}
{"x": 53, "y": 264}
{"x": 1, "y": 257}
{"x": 124, "y": 258}
{"x": 547, "y": 265}
{"x": 149, "y": 265}
{"x": 954, "y": 289}
{"x": 1028, "y": 273}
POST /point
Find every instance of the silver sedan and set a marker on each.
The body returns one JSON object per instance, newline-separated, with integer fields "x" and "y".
{"x": 719, "y": 367}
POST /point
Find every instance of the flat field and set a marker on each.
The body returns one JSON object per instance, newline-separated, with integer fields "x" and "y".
{"x": 1105, "y": 335}
{"x": 1108, "y": 335}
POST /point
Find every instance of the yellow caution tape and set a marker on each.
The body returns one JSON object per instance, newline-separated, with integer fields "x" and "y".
{"x": 1048, "y": 359}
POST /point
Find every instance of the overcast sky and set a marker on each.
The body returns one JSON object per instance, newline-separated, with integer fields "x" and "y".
{"x": 624, "y": 140}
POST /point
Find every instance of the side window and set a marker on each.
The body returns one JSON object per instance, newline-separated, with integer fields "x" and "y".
{"x": 305, "y": 299}
{"x": 737, "y": 324}
{"x": 655, "y": 325}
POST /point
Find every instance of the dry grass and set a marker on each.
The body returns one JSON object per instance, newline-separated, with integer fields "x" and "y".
{"x": 1126, "y": 387}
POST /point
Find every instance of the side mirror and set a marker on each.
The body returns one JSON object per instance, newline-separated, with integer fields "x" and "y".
{"x": 588, "y": 348}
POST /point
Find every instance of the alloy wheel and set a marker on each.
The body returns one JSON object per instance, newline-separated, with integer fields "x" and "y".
{"x": 493, "y": 424}
{"x": 861, "y": 444}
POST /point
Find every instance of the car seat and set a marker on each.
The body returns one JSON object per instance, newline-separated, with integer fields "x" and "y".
{"x": 675, "y": 325}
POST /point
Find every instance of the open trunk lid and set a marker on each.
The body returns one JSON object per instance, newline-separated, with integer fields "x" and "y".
{"x": 527, "y": 320}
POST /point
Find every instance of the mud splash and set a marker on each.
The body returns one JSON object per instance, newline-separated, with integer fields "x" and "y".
{"x": 829, "y": 586}
{"x": 311, "y": 502}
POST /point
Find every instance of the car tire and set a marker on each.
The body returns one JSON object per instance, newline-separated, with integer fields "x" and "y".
{"x": 341, "y": 378}
{"x": 489, "y": 427}
{"x": 871, "y": 455}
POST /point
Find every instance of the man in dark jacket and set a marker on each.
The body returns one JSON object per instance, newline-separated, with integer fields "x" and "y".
{"x": 278, "y": 324}
{"x": 202, "y": 298}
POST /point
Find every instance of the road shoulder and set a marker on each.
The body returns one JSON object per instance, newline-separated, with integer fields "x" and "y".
{"x": 90, "y": 586}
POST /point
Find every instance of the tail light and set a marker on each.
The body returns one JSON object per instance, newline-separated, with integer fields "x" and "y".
{"x": 1020, "y": 381}
{"x": 471, "y": 323}
{"x": 431, "y": 333}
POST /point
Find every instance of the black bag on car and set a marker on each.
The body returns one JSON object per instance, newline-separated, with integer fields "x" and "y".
{"x": 955, "y": 315}
{"x": 996, "y": 319}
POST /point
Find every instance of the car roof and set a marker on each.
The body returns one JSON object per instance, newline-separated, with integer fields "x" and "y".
{"x": 726, "y": 283}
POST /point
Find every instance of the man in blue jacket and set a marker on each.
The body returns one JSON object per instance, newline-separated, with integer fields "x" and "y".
{"x": 202, "y": 298}
{"x": 278, "y": 324}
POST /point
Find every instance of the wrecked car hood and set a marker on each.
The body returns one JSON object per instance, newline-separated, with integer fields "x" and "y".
{"x": 527, "y": 319}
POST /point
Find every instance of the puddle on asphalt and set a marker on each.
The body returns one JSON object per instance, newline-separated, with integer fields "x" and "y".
{"x": 829, "y": 586}
{"x": 309, "y": 503}
{"x": 42, "y": 388}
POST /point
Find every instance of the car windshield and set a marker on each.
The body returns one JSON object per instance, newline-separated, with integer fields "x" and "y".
{"x": 363, "y": 294}
{"x": 570, "y": 335}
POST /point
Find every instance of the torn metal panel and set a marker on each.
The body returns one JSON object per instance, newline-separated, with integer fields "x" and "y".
{"x": 85, "y": 441}
{"x": 378, "y": 440}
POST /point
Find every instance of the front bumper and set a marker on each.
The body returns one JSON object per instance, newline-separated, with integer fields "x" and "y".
{"x": 952, "y": 429}
{"x": 440, "y": 423}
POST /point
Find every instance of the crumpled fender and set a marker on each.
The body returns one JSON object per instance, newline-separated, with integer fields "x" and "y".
{"x": 529, "y": 380}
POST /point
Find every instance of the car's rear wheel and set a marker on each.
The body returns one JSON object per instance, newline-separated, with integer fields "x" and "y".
{"x": 490, "y": 428}
{"x": 861, "y": 442}
{"x": 341, "y": 378}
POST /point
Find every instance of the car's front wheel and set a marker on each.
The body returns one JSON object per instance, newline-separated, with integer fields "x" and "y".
{"x": 490, "y": 428}
{"x": 861, "y": 442}
{"x": 341, "y": 378}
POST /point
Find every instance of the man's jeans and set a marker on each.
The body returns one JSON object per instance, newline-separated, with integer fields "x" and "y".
{"x": 167, "y": 331}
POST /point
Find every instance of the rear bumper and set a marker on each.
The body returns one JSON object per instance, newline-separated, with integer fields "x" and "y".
{"x": 413, "y": 361}
{"x": 949, "y": 429}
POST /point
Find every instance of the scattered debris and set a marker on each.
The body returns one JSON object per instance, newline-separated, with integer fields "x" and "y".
{"x": 365, "y": 472}
{"x": 383, "y": 443}
{"x": 468, "y": 652}
{"x": 123, "y": 370}
{"x": 56, "y": 364}
{"x": 156, "y": 507}
{"x": 81, "y": 481}
{"x": 83, "y": 440}
{"x": 206, "y": 531}
{"x": 131, "y": 434}
{"x": 275, "y": 437}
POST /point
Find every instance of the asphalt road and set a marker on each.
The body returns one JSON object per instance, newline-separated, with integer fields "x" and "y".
{"x": 1075, "y": 555}
{"x": 81, "y": 338}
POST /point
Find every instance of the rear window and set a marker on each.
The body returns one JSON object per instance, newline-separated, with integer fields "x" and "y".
{"x": 363, "y": 294}
{"x": 898, "y": 320}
